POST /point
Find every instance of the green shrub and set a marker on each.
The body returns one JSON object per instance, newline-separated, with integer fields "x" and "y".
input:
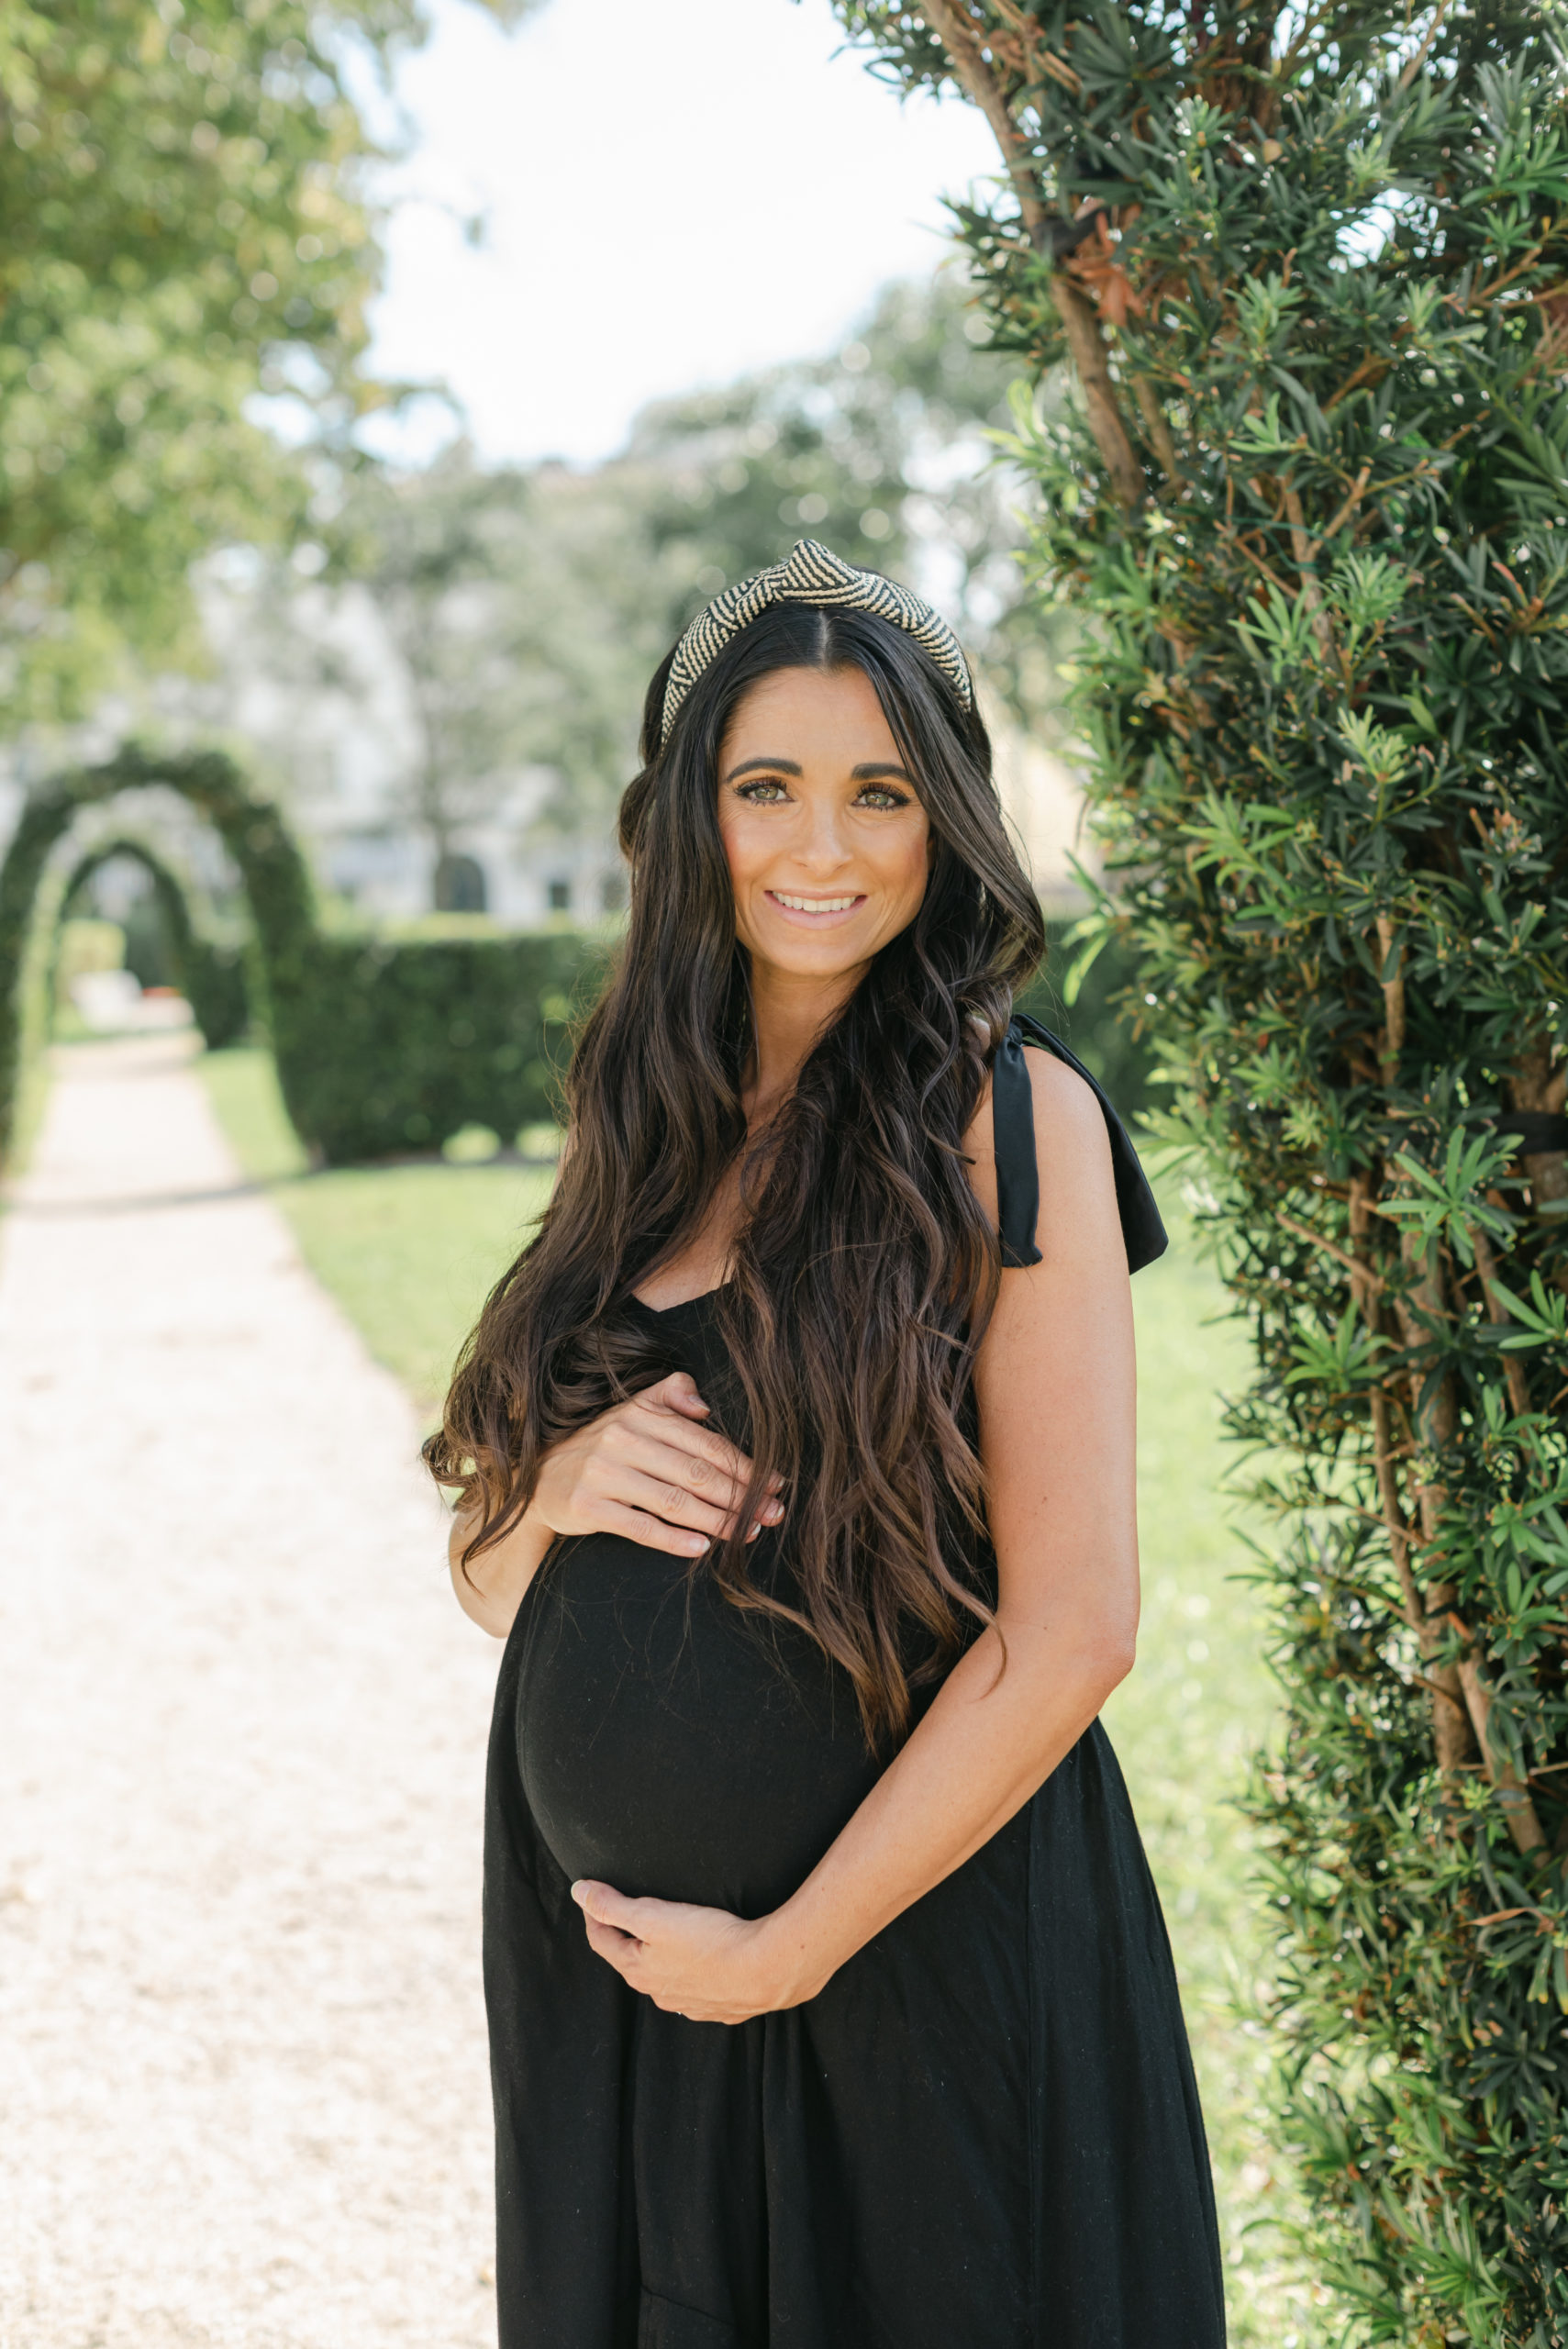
{"x": 392, "y": 1046}
{"x": 217, "y": 990}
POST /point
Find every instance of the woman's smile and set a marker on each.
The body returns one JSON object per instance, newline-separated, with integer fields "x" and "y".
{"x": 815, "y": 910}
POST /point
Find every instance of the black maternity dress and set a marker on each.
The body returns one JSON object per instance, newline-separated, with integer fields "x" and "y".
{"x": 984, "y": 2133}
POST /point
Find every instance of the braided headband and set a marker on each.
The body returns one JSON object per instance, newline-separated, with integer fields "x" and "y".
{"x": 810, "y": 574}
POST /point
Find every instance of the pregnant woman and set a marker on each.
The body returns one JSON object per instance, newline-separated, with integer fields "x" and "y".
{"x": 831, "y": 2003}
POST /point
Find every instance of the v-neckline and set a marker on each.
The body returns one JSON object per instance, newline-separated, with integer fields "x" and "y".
{"x": 681, "y": 1303}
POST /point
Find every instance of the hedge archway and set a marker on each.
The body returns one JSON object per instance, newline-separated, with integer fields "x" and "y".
{"x": 277, "y": 883}
{"x": 211, "y": 978}
{"x": 385, "y": 1046}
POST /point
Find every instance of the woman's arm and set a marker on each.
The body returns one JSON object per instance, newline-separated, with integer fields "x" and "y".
{"x": 1054, "y": 1383}
{"x": 491, "y": 1587}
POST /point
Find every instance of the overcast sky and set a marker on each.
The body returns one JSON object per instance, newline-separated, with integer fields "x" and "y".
{"x": 677, "y": 191}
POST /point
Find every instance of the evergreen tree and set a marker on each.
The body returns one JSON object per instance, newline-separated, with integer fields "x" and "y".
{"x": 181, "y": 229}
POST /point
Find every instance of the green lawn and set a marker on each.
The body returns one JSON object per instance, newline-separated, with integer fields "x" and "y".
{"x": 409, "y": 1251}
{"x": 1198, "y": 1704}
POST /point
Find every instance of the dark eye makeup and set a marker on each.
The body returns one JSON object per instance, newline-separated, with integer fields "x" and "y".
{"x": 766, "y": 791}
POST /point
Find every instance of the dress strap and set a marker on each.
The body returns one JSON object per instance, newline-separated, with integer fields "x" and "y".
{"x": 1018, "y": 1174}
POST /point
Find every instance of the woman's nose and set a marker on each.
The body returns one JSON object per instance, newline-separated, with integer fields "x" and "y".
{"x": 822, "y": 846}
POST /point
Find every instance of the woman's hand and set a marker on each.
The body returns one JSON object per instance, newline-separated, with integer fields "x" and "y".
{"x": 700, "y": 1963}
{"x": 649, "y": 1470}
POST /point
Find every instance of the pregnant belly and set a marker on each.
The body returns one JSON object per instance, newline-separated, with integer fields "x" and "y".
{"x": 670, "y": 1745}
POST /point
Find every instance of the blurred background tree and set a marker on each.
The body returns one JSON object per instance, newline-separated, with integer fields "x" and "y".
{"x": 885, "y": 450}
{"x": 182, "y": 228}
{"x": 522, "y": 610}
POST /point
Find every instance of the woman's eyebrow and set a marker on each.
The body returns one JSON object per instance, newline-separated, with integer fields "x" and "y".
{"x": 869, "y": 770}
{"x": 778, "y": 766}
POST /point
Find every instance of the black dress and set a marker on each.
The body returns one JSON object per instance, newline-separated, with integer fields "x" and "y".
{"x": 984, "y": 2133}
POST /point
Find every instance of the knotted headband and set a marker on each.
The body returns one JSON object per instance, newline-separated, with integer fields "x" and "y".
{"x": 810, "y": 574}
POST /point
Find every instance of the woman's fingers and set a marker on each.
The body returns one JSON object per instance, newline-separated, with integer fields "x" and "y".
{"x": 610, "y": 1920}
{"x": 651, "y": 1531}
{"x": 613, "y": 1947}
{"x": 650, "y": 1471}
{"x": 711, "y": 1455}
{"x": 709, "y": 1477}
{"x": 677, "y": 1393}
{"x": 664, "y": 1480}
{"x": 659, "y": 1497}
{"x": 606, "y": 1906}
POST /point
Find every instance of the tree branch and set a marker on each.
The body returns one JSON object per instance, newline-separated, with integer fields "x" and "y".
{"x": 1424, "y": 1610}
{"x": 1304, "y": 549}
{"x": 1157, "y": 427}
{"x": 1513, "y": 1793}
{"x": 1080, "y": 322}
{"x": 1358, "y": 490}
{"x": 1364, "y": 1282}
{"x": 1416, "y": 63}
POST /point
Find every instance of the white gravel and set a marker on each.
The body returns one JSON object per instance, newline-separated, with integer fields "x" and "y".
{"x": 243, "y": 2096}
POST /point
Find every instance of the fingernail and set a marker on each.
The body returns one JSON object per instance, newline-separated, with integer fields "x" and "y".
{"x": 752, "y": 1535}
{"x": 696, "y": 1545}
{"x": 577, "y": 1895}
{"x": 773, "y": 1512}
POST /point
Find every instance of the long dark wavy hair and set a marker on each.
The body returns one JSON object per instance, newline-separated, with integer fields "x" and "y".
{"x": 864, "y": 1272}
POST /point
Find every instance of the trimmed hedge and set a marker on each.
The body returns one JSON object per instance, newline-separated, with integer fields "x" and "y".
{"x": 392, "y": 1045}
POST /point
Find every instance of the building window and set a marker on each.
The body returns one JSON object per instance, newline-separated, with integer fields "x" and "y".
{"x": 459, "y": 886}
{"x": 558, "y": 896}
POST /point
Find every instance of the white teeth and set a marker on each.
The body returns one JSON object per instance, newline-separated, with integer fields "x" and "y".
{"x": 815, "y": 905}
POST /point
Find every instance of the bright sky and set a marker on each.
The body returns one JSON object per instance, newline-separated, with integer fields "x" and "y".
{"x": 677, "y": 191}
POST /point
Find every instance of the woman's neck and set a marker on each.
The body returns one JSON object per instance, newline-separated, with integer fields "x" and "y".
{"x": 789, "y": 1014}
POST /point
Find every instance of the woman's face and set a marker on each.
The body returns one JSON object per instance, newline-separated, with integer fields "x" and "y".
{"x": 828, "y": 845}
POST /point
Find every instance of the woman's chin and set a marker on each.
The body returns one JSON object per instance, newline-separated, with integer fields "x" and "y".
{"x": 823, "y": 955}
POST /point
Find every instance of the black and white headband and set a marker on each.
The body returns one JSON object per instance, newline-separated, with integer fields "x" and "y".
{"x": 810, "y": 574}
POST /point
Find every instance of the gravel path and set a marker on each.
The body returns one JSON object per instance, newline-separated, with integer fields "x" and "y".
{"x": 242, "y": 2081}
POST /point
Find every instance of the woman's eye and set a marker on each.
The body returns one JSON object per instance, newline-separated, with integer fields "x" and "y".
{"x": 877, "y": 795}
{"x": 765, "y": 793}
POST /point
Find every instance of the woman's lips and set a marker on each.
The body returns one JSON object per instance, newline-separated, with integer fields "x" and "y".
{"x": 816, "y": 909}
